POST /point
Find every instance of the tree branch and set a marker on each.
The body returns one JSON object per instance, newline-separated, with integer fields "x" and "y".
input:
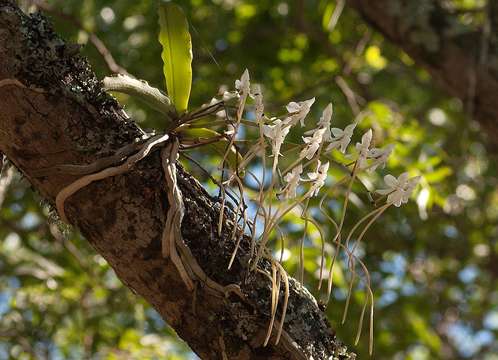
{"x": 425, "y": 31}
{"x": 54, "y": 112}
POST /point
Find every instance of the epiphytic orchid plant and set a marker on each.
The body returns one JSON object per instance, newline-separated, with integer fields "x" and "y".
{"x": 290, "y": 178}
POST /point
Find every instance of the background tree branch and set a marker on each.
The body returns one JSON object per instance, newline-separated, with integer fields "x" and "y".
{"x": 465, "y": 63}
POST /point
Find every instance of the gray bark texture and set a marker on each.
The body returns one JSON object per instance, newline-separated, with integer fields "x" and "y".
{"x": 58, "y": 114}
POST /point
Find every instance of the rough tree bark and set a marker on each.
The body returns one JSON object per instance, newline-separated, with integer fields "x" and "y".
{"x": 466, "y": 65}
{"x": 58, "y": 114}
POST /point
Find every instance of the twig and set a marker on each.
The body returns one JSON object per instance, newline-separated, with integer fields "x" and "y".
{"x": 94, "y": 39}
{"x": 339, "y": 7}
{"x": 349, "y": 94}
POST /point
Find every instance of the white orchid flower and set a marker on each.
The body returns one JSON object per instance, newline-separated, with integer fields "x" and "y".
{"x": 318, "y": 177}
{"x": 298, "y": 111}
{"x": 312, "y": 144}
{"x": 399, "y": 189}
{"x": 243, "y": 85}
{"x": 229, "y": 95}
{"x": 412, "y": 184}
{"x": 363, "y": 149}
{"x": 379, "y": 156}
{"x": 324, "y": 123}
{"x": 326, "y": 117}
{"x": 292, "y": 179}
{"x": 341, "y": 138}
{"x": 276, "y": 133}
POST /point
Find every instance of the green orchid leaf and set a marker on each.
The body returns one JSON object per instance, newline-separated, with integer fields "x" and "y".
{"x": 219, "y": 147}
{"x": 177, "y": 53}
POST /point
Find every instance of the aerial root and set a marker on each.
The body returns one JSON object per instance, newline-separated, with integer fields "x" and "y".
{"x": 278, "y": 275}
{"x": 173, "y": 246}
{"x": 172, "y": 228}
{"x": 107, "y": 172}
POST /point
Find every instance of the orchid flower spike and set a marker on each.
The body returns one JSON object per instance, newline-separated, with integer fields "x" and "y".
{"x": 318, "y": 177}
{"x": 276, "y": 133}
{"x": 399, "y": 189}
{"x": 298, "y": 111}
{"x": 341, "y": 138}
{"x": 292, "y": 179}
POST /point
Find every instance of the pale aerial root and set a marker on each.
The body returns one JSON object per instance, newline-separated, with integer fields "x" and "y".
{"x": 275, "y": 279}
{"x": 108, "y": 172}
{"x": 285, "y": 279}
{"x": 278, "y": 275}
{"x": 173, "y": 236}
{"x": 175, "y": 212}
{"x": 174, "y": 217}
{"x": 186, "y": 264}
{"x": 240, "y": 207}
{"x": 172, "y": 240}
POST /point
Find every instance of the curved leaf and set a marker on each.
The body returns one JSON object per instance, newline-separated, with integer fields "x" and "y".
{"x": 177, "y": 53}
{"x": 141, "y": 90}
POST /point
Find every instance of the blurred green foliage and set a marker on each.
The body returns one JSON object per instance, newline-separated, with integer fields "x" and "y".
{"x": 433, "y": 263}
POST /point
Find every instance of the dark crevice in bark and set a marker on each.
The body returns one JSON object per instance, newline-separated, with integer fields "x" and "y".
{"x": 63, "y": 116}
